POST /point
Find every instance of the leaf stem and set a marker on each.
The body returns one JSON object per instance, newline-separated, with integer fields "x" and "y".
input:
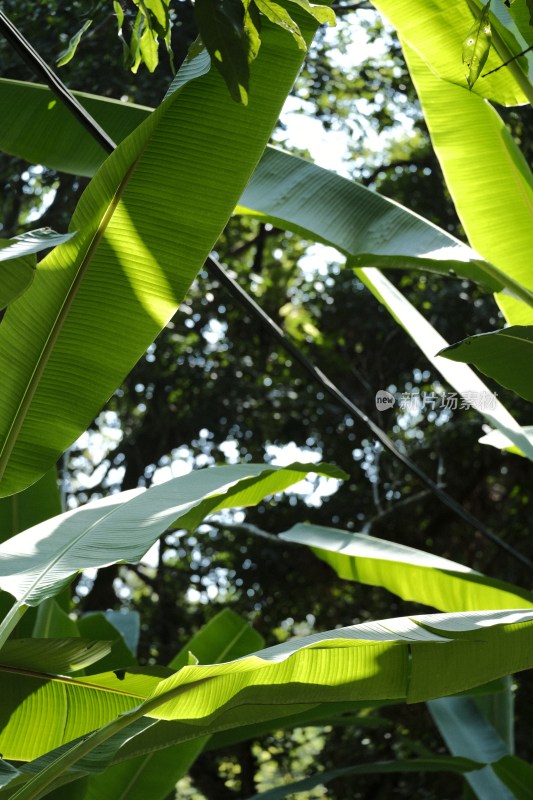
{"x": 10, "y": 621}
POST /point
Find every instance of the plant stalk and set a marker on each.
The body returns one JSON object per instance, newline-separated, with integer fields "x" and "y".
{"x": 10, "y": 621}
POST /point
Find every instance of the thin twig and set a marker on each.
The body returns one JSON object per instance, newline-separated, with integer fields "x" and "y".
{"x": 406, "y": 501}
{"x": 509, "y": 61}
{"x": 244, "y": 527}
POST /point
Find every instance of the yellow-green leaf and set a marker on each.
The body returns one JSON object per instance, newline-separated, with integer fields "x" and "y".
{"x": 476, "y": 46}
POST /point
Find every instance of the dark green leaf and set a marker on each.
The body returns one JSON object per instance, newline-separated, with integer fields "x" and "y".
{"x": 16, "y": 275}
{"x": 504, "y": 355}
{"x": 517, "y": 776}
{"x": 118, "y": 656}
{"x": 35, "y": 504}
{"x": 53, "y": 655}
{"x": 221, "y": 26}
{"x": 476, "y": 46}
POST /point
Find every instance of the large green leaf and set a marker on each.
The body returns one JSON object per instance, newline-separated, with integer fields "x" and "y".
{"x": 41, "y": 711}
{"x": 36, "y": 126}
{"x": 486, "y": 174}
{"x": 517, "y": 775}
{"x": 53, "y": 655}
{"x": 155, "y": 774}
{"x": 413, "y": 658}
{"x": 436, "y": 31}
{"x": 388, "y": 235}
{"x": 330, "y": 209}
{"x": 36, "y": 564}
{"x": 299, "y": 196}
{"x": 411, "y": 574}
{"x": 503, "y": 355}
{"x": 145, "y": 226}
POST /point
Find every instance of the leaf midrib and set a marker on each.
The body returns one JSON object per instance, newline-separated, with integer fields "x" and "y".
{"x": 69, "y": 546}
{"x": 64, "y": 679}
{"x": 55, "y": 331}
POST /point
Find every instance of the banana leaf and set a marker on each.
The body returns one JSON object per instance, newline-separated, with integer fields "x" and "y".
{"x": 488, "y": 178}
{"x": 413, "y": 658}
{"x": 156, "y": 773}
{"x": 39, "y": 562}
{"x": 436, "y": 32}
{"x": 145, "y": 225}
{"x": 411, "y": 574}
{"x": 502, "y": 355}
{"x": 467, "y": 733}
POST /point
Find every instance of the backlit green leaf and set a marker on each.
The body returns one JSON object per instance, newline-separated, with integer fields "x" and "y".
{"x": 436, "y": 31}
{"x": 476, "y": 46}
{"x": 280, "y": 16}
{"x": 322, "y": 14}
{"x": 70, "y": 51}
{"x": 411, "y": 574}
{"x": 488, "y": 166}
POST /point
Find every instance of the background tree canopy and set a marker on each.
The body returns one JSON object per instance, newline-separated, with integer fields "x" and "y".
{"x": 215, "y": 388}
